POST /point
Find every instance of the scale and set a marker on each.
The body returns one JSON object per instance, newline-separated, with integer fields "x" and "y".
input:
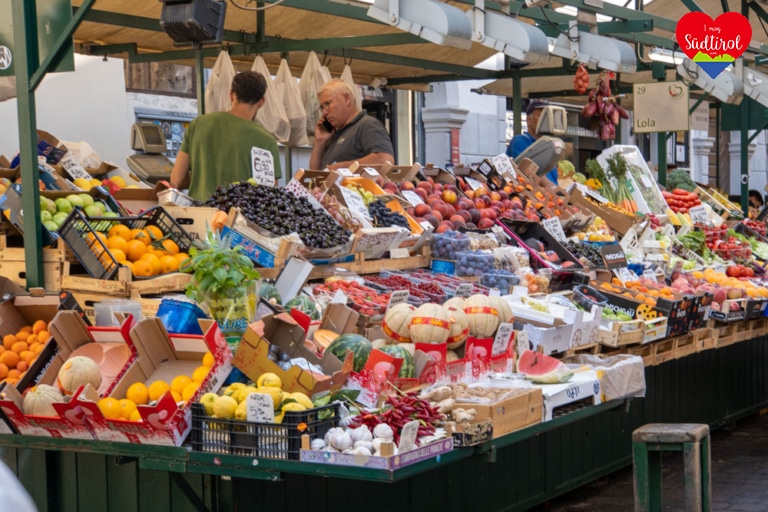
{"x": 546, "y": 150}
{"x": 151, "y": 164}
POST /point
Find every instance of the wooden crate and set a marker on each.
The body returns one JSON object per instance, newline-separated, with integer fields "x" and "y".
{"x": 743, "y": 330}
{"x": 705, "y": 339}
{"x": 685, "y": 345}
{"x": 622, "y": 333}
{"x": 722, "y": 330}
{"x": 663, "y": 350}
{"x": 760, "y": 327}
{"x": 195, "y": 220}
{"x": 645, "y": 351}
{"x": 13, "y": 263}
{"x": 592, "y": 348}
{"x": 724, "y": 341}
{"x": 124, "y": 284}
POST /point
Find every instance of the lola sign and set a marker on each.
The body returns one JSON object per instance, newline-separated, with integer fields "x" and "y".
{"x": 713, "y": 44}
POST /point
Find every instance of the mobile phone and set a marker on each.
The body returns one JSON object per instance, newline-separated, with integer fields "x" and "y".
{"x": 328, "y": 126}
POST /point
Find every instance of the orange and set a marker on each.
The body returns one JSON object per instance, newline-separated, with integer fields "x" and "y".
{"x": 189, "y": 391}
{"x": 110, "y": 408}
{"x": 155, "y": 233}
{"x": 138, "y": 393}
{"x": 22, "y": 366}
{"x": 21, "y": 336}
{"x": 135, "y": 416}
{"x": 169, "y": 264}
{"x": 120, "y": 230}
{"x": 171, "y": 246}
{"x": 154, "y": 262}
{"x": 158, "y": 389}
{"x": 33, "y": 338}
{"x": 142, "y": 235}
{"x": 28, "y": 357}
{"x": 20, "y": 346}
{"x": 27, "y": 329}
{"x": 39, "y": 348}
{"x": 10, "y": 358}
{"x": 136, "y": 250}
{"x": 13, "y": 374}
{"x": 3, "y": 371}
{"x": 43, "y": 336}
{"x": 119, "y": 254}
{"x": 179, "y": 383}
{"x": 208, "y": 360}
{"x": 176, "y": 396}
{"x": 2, "y": 349}
{"x": 117, "y": 242}
{"x": 142, "y": 268}
{"x": 127, "y": 407}
{"x": 9, "y": 340}
{"x": 200, "y": 373}
{"x": 38, "y": 326}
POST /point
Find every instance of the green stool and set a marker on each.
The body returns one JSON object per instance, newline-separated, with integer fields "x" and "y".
{"x": 649, "y": 441}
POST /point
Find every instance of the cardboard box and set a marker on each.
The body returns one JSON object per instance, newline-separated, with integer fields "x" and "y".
{"x": 135, "y": 200}
{"x": 617, "y": 221}
{"x": 438, "y": 175}
{"x": 587, "y": 329}
{"x": 521, "y": 408}
{"x": 282, "y": 330}
{"x": 389, "y": 463}
{"x": 160, "y": 356}
{"x": 471, "y": 434}
{"x": 195, "y": 220}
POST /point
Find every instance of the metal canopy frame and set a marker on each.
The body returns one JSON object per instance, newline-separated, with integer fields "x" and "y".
{"x": 634, "y": 26}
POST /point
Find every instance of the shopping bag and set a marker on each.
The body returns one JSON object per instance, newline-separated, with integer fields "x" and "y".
{"x": 272, "y": 114}
{"x": 288, "y": 90}
{"x": 220, "y": 84}
{"x": 346, "y": 75}
{"x": 82, "y": 153}
{"x": 312, "y": 78}
{"x": 7, "y": 87}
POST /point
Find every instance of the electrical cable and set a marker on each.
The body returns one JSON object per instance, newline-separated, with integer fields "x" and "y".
{"x": 566, "y": 34}
{"x": 263, "y": 8}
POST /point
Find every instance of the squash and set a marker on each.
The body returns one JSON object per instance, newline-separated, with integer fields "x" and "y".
{"x": 430, "y": 323}
{"x": 455, "y": 302}
{"x": 505, "y": 311}
{"x": 459, "y": 328}
{"x": 451, "y": 356}
{"x": 38, "y": 400}
{"x": 78, "y": 371}
{"x": 482, "y": 315}
{"x": 396, "y": 323}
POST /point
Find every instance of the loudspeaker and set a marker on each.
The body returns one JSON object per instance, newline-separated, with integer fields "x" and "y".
{"x": 193, "y": 22}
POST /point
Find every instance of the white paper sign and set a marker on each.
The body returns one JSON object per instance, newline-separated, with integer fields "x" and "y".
{"x": 339, "y": 298}
{"x": 260, "y": 408}
{"x": 554, "y": 228}
{"x": 426, "y": 226}
{"x": 624, "y": 274}
{"x": 699, "y": 215}
{"x": 473, "y": 183}
{"x": 74, "y": 169}
{"x": 408, "y": 436}
{"x": 521, "y": 341}
{"x": 494, "y": 292}
{"x": 649, "y": 274}
{"x": 412, "y": 197}
{"x": 501, "y": 341}
{"x": 355, "y": 203}
{"x": 503, "y": 165}
{"x": 464, "y": 290}
{"x": 598, "y": 197}
{"x": 263, "y": 167}
{"x": 345, "y": 173}
{"x": 371, "y": 171}
{"x": 398, "y": 297}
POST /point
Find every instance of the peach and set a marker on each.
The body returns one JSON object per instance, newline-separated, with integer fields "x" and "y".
{"x": 485, "y": 224}
{"x": 407, "y": 185}
{"x": 422, "y": 209}
{"x": 450, "y": 196}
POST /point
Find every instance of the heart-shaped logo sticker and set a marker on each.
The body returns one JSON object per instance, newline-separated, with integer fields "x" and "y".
{"x": 713, "y": 44}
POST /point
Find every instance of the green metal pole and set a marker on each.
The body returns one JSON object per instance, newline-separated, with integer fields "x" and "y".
{"x": 517, "y": 103}
{"x": 717, "y": 145}
{"x": 200, "y": 81}
{"x": 744, "y": 156}
{"x": 288, "y": 150}
{"x": 662, "y": 137}
{"x": 27, "y": 60}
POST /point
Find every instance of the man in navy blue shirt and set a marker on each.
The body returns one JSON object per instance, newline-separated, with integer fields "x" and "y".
{"x": 520, "y": 143}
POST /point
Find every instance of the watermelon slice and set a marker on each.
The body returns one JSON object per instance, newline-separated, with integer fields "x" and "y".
{"x": 543, "y": 369}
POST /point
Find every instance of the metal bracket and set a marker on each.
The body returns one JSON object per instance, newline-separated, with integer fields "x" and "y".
{"x": 490, "y": 455}
{"x": 394, "y": 11}
{"x": 479, "y": 21}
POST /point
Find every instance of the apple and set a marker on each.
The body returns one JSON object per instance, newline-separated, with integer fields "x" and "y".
{"x": 59, "y": 218}
{"x": 63, "y": 205}
{"x": 87, "y": 199}
{"x": 45, "y": 216}
{"x": 50, "y": 225}
{"x": 75, "y": 200}
{"x": 95, "y": 210}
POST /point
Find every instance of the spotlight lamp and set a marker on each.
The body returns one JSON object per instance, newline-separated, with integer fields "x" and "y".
{"x": 594, "y": 50}
{"x": 436, "y": 22}
{"x": 503, "y": 33}
{"x": 727, "y": 87}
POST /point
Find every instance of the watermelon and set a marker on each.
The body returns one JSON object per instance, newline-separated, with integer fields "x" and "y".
{"x": 305, "y": 305}
{"x": 269, "y": 293}
{"x": 359, "y": 345}
{"x": 543, "y": 369}
{"x": 408, "y": 370}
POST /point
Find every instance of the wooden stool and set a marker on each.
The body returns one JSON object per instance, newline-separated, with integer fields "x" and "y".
{"x": 649, "y": 441}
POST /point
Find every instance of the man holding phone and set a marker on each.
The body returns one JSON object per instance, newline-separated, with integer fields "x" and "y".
{"x": 345, "y": 134}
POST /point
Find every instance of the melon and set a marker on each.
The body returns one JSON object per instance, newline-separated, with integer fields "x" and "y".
{"x": 38, "y": 400}
{"x": 397, "y": 321}
{"x": 324, "y": 337}
{"x": 459, "y": 327}
{"x": 543, "y": 369}
{"x": 78, "y": 371}
{"x": 451, "y": 356}
{"x": 505, "y": 311}
{"x": 430, "y": 323}
{"x": 358, "y": 345}
{"x": 456, "y": 302}
{"x": 482, "y": 314}
{"x": 408, "y": 370}
{"x": 305, "y": 305}
{"x": 269, "y": 293}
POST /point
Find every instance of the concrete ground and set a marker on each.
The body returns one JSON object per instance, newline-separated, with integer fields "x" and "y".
{"x": 739, "y": 477}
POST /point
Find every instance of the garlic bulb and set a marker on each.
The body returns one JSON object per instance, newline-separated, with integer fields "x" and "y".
{"x": 383, "y": 431}
{"x": 332, "y": 432}
{"x": 317, "y": 444}
{"x": 362, "y": 450}
{"x": 364, "y": 444}
{"x": 341, "y": 441}
{"x": 361, "y": 434}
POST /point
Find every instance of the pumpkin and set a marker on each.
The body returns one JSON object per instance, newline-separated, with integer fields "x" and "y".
{"x": 38, "y": 400}
{"x": 430, "y": 323}
{"x": 456, "y": 302}
{"x": 505, "y": 311}
{"x": 78, "y": 371}
{"x": 396, "y": 323}
{"x": 459, "y": 327}
{"x": 482, "y": 315}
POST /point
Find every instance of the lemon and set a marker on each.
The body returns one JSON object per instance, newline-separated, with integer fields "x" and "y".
{"x": 158, "y": 389}
{"x": 275, "y": 393}
{"x": 224, "y": 407}
{"x": 208, "y": 359}
{"x": 200, "y": 373}
{"x": 302, "y": 399}
{"x": 208, "y": 400}
{"x": 241, "y": 413}
{"x": 293, "y": 406}
{"x": 119, "y": 181}
{"x": 279, "y": 417}
{"x": 242, "y": 394}
{"x": 110, "y": 408}
{"x": 233, "y": 388}
{"x": 269, "y": 380}
{"x": 179, "y": 383}
{"x": 189, "y": 391}
{"x": 82, "y": 183}
{"x": 176, "y": 396}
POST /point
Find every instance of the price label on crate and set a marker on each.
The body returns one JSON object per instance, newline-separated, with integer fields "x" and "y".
{"x": 371, "y": 171}
{"x": 339, "y": 298}
{"x": 494, "y": 292}
{"x": 650, "y": 275}
{"x": 412, "y": 197}
{"x": 554, "y": 228}
{"x": 699, "y": 215}
{"x": 398, "y": 297}
{"x": 473, "y": 183}
{"x": 346, "y": 173}
{"x": 503, "y": 165}
{"x": 624, "y": 274}
{"x": 74, "y": 169}
{"x": 464, "y": 290}
{"x": 263, "y": 167}
{"x": 260, "y": 408}
{"x": 502, "y": 339}
{"x": 594, "y": 195}
{"x": 355, "y": 203}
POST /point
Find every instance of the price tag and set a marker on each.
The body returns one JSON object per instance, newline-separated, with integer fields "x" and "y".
{"x": 699, "y": 215}
{"x": 399, "y": 253}
{"x": 345, "y": 173}
{"x": 521, "y": 342}
{"x": 371, "y": 171}
{"x": 624, "y": 274}
{"x": 74, "y": 169}
{"x": 649, "y": 274}
{"x": 260, "y": 408}
{"x": 412, "y": 197}
{"x": 408, "y": 436}
{"x": 464, "y": 290}
{"x": 613, "y": 256}
{"x": 263, "y": 167}
{"x": 355, "y": 203}
{"x": 503, "y": 165}
{"x": 398, "y": 297}
{"x": 502, "y": 339}
{"x": 426, "y": 226}
{"x": 339, "y": 298}
{"x": 554, "y": 228}
{"x": 598, "y": 197}
{"x": 494, "y": 292}
{"x": 473, "y": 183}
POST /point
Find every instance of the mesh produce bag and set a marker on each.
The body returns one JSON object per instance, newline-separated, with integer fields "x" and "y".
{"x": 272, "y": 114}
{"x": 287, "y": 89}
{"x": 220, "y": 84}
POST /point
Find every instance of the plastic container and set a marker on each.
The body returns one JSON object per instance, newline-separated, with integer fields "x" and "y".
{"x": 104, "y": 311}
{"x": 262, "y": 440}
{"x": 501, "y": 279}
{"x": 446, "y": 245}
{"x": 474, "y": 264}
{"x": 180, "y": 316}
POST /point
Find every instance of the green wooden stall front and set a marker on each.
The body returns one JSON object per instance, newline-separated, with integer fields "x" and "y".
{"x": 511, "y": 473}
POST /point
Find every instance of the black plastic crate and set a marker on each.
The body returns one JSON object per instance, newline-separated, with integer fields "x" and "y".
{"x": 80, "y": 233}
{"x": 264, "y": 440}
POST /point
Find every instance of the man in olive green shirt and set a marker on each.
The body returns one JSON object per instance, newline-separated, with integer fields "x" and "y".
{"x": 227, "y": 147}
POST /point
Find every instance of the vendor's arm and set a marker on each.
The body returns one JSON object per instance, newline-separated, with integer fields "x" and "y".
{"x": 370, "y": 159}
{"x": 180, "y": 173}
